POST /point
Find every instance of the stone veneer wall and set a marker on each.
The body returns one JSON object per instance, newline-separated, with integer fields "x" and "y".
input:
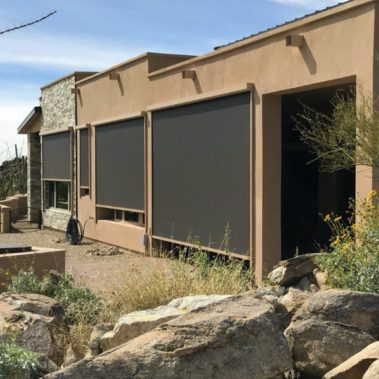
{"x": 34, "y": 174}
{"x": 58, "y": 105}
{"x": 58, "y": 112}
{"x": 56, "y": 218}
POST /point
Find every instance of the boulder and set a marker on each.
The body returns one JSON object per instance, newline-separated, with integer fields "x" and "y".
{"x": 136, "y": 323}
{"x": 290, "y": 271}
{"x": 318, "y": 345}
{"x": 291, "y": 302}
{"x": 44, "y": 366}
{"x": 236, "y": 338}
{"x": 32, "y": 303}
{"x": 321, "y": 279}
{"x": 303, "y": 284}
{"x": 357, "y": 365}
{"x": 37, "y": 336}
{"x": 190, "y": 303}
{"x": 348, "y": 307}
{"x": 32, "y": 318}
{"x": 71, "y": 356}
{"x": 373, "y": 371}
{"x": 94, "y": 343}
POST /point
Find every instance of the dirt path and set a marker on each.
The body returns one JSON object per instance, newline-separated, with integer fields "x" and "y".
{"x": 95, "y": 272}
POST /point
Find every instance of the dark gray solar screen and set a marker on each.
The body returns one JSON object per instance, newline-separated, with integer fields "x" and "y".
{"x": 56, "y": 155}
{"x": 201, "y": 172}
{"x": 84, "y": 158}
{"x": 120, "y": 164}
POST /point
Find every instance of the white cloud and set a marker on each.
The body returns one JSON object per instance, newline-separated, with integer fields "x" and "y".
{"x": 311, "y": 4}
{"x": 63, "y": 52}
{"x": 16, "y": 101}
{"x": 12, "y": 113}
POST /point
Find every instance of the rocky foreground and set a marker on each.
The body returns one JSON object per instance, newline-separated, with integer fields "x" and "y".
{"x": 295, "y": 328}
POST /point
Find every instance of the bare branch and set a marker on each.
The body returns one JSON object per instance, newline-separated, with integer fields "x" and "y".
{"x": 27, "y": 24}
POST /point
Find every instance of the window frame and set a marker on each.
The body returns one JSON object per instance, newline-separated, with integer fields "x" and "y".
{"x": 51, "y": 190}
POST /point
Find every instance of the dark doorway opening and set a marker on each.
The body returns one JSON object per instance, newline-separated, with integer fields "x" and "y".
{"x": 306, "y": 191}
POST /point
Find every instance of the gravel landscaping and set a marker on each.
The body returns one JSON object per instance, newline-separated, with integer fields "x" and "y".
{"x": 94, "y": 271}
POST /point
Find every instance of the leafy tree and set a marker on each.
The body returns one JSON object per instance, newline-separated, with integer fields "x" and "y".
{"x": 346, "y": 138}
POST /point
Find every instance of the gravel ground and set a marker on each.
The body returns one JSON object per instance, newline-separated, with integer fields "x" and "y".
{"x": 95, "y": 272}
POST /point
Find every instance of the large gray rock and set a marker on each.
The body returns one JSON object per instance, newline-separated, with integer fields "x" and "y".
{"x": 292, "y": 270}
{"x": 33, "y": 319}
{"x": 37, "y": 336}
{"x": 348, "y": 307}
{"x": 136, "y": 323}
{"x": 236, "y": 338}
{"x": 357, "y": 365}
{"x": 97, "y": 332}
{"x": 373, "y": 371}
{"x": 318, "y": 346}
{"x": 32, "y": 303}
{"x": 293, "y": 300}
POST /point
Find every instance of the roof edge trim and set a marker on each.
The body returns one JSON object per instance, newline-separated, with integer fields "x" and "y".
{"x": 129, "y": 61}
{"x": 314, "y": 17}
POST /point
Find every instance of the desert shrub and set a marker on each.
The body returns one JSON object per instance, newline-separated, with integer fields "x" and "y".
{"x": 191, "y": 274}
{"x": 16, "y": 362}
{"x": 82, "y": 308}
{"x": 353, "y": 260}
{"x": 79, "y": 303}
{"x": 26, "y": 282}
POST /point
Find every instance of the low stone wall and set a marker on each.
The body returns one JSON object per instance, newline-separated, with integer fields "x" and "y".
{"x": 56, "y": 218}
{"x": 11, "y": 203}
{"x": 42, "y": 260}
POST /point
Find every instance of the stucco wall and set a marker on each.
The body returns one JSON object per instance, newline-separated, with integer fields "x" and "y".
{"x": 338, "y": 48}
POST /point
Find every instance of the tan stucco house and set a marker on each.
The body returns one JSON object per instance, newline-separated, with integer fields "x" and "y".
{"x": 178, "y": 150}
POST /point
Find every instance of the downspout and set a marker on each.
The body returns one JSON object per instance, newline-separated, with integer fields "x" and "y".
{"x": 75, "y": 158}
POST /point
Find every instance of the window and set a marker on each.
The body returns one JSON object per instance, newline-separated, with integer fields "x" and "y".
{"x": 133, "y": 217}
{"x": 58, "y": 195}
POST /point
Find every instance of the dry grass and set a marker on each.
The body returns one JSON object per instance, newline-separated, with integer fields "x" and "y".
{"x": 149, "y": 287}
{"x": 140, "y": 287}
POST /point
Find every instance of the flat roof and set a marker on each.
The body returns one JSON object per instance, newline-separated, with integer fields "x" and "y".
{"x": 34, "y": 114}
{"x": 130, "y": 61}
{"x": 283, "y": 24}
{"x": 68, "y": 76}
{"x": 266, "y": 34}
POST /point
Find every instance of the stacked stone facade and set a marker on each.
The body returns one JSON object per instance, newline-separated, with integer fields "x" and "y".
{"x": 58, "y": 113}
{"x": 34, "y": 175}
{"x": 58, "y": 105}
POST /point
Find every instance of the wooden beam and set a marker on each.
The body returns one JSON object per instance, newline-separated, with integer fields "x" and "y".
{"x": 189, "y": 74}
{"x": 295, "y": 40}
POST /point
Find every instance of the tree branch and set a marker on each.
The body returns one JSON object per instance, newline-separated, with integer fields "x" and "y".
{"x": 27, "y": 24}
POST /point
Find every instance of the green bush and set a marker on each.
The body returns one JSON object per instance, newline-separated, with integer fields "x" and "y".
{"x": 79, "y": 303}
{"x": 353, "y": 259}
{"x": 16, "y": 362}
{"x": 26, "y": 282}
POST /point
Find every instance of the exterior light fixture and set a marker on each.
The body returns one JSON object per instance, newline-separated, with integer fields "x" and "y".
{"x": 295, "y": 40}
{"x": 114, "y": 75}
{"x": 188, "y": 74}
{"x": 75, "y": 91}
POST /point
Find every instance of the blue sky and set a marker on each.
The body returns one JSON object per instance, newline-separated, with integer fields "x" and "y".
{"x": 95, "y": 34}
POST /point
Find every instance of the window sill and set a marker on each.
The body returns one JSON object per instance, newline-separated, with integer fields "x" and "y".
{"x": 58, "y": 210}
{"x": 122, "y": 223}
